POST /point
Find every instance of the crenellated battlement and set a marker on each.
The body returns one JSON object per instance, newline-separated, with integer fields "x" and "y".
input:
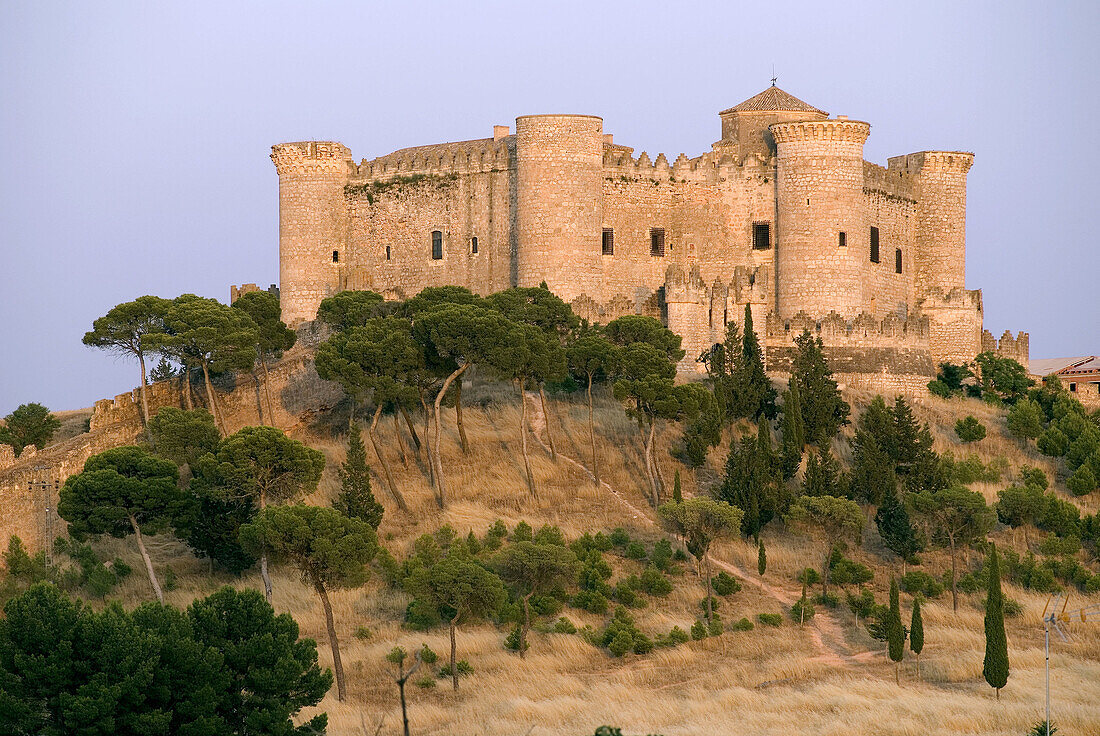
{"x": 1016, "y": 348}
{"x": 837, "y": 130}
{"x": 957, "y": 298}
{"x": 470, "y": 157}
{"x": 958, "y": 162}
{"x": 891, "y": 183}
{"x": 864, "y": 330}
{"x": 311, "y": 157}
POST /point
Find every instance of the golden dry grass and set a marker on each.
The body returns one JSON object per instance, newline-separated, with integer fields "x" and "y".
{"x": 767, "y": 681}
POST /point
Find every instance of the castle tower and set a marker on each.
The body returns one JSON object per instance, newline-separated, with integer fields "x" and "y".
{"x": 941, "y": 217}
{"x": 746, "y": 126}
{"x": 819, "y": 194}
{"x": 559, "y": 160}
{"x": 312, "y": 223}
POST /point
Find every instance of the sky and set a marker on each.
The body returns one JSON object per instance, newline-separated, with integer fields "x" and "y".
{"x": 134, "y": 136}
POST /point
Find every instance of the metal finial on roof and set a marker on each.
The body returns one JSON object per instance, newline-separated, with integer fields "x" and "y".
{"x": 774, "y": 77}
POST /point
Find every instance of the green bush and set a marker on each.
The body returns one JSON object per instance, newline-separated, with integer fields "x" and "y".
{"x": 939, "y": 388}
{"x": 654, "y": 583}
{"x": 522, "y": 533}
{"x": 715, "y": 603}
{"x": 1082, "y": 482}
{"x": 863, "y": 605}
{"x": 918, "y": 581}
{"x": 421, "y": 617}
{"x": 1053, "y": 442}
{"x": 545, "y": 605}
{"x": 619, "y": 537}
{"x": 699, "y": 630}
{"x": 969, "y": 429}
{"x": 635, "y": 551}
{"x": 662, "y": 555}
{"x": 808, "y": 576}
{"x": 590, "y": 601}
{"x": 715, "y": 628}
{"x": 621, "y": 644}
{"x": 512, "y": 640}
{"x": 1055, "y": 545}
{"x": 770, "y": 619}
{"x": 427, "y": 682}
{"x": 801, "y": 608}
{"x": 427, "y": 655}
{"x": 725, "y": 584}
{"x": 677, "y": 636}
{"x": 363, "y": 633}
{"x": 742, "y": 624}
{"x": 564, "y": 626}
{"x": 832, "y": 600}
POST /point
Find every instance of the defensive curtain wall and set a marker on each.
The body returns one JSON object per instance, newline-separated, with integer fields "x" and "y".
{"x": 783, "y": 214}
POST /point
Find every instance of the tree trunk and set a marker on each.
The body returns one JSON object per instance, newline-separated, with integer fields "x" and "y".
{"x": 412, "y": 429}
{"x": 526, "y": 625}
{"x": 264, "y": 575}
{"x": 454, "y": 651}
{"x": 267, "y": 390}
{"x": 185, "y": 386}
{"x": 440, "y": 485}
{"x": 428, "y": 441}
{"x": 337, "y": 665}
{"x": 661, "y": 483}
{"x": 897, "y": 673}
{"x": 145, "y": 557}
{"x": 458, "y": 416}
{"x": 592, "y": 435}
{"x": 523, "y": 440}
{"x": 546, "y": 421}
{"x": 825, "y": 572}
{"x": 648, "y": 442}
{"x": 144, "y": 398}
{"x": 400, "y": 440}
{"x": 397, "y": 497}
{"x": 710, "y": 598}
{"x": 404, "y": 708}
{"x": 210, "y": 398}
{"x": 954, "y": 586}
{"x": 918, "y": 667}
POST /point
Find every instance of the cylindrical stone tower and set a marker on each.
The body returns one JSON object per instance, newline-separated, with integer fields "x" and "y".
{"x": 559, "y": 162}
{"x": 819, "y": 194}
{"x": 941, "y": 218}
{"x": 312, "y": 223}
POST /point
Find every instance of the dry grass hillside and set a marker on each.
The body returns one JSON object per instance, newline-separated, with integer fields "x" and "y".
{"x": 829, "y": 678}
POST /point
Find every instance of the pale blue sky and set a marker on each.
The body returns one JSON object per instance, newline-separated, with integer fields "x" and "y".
{"x": 134, "y": 136}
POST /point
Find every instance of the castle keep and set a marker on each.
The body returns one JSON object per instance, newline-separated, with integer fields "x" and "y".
{"x": 782, "y": 214}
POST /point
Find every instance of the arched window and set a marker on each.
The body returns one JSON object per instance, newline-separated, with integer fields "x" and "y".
{"x": 437, "y": 245}
{"x": 387, "y": 252}
{"x": 473, "y": 245}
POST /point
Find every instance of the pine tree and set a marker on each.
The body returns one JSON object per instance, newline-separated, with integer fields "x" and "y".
{"x": 757, "y": 397}
{"x": 895, "y": 631}
{"x": 873, "y": 475}
{"x": 356, "y": 499}
{"x": 761, "y": 559}
{"x": 995, "y": 668}
{"x": 896, "y": 528}
{"x": 794, "y": 431}
{"x": 916, "y": 633}
{"x": 824, "y": 412}
{"x": 822, "y": 476}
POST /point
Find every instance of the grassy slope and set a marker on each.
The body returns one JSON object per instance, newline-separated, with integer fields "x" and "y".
{"x": 832, "y": 678}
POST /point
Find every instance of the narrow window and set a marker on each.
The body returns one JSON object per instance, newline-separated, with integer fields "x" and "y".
{"x": 656, "y": 241}
{"x": 437, "y": 245}
{"x": 387, "y": 252}
{"x": 761, "y": 235}
{"x": 335, "y": 256}
{"x": 1073, "y": 387}
{"x": 897, "y": 260}
{"x": 607, "y": 245}
{"x": 842, "y": 240}
{"x": 473, "y": 245}
{"x": 874, "y": 245}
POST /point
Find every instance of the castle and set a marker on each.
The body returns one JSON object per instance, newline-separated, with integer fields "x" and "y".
{"x": 783, "y": 214}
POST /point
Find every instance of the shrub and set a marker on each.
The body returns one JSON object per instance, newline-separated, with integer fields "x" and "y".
{"x": 699, "y": 630}
{"x": 654, "y": 583}
{"x": 742, "y": 624}
{"x": 1082, "y": 482}
{"x": 171, "y": 582}
{"x": 564, "y": 626}
{"x": 939, "y": 388}
{"x": 635, "y": 551}
{"x": 770, "y": 619}
{"x": 625, "y": 594}
{"x": 420, "y": 617}
{"x": 602, "y": 542}
{"x": 642, "y": 643}
{"x": 725, "y": 584}
{"x": 714, "y": 604}
{"x": 849, "y": 572}
{"x": 550, "y": 535}
{"x": 863, "y": 605}
{"x": 427, "y": 682}
{"x": 429, "y": 656}
{"x": 621, "y": 644}
{"x": 1053, "y": 442}
{"x": 715, "y": 628}
{"x": 1054, "y": 545}
{"x": 512, "y": 640}
{"x": 970, "y": 429}
{"x": 802, "y": 607}
{"x": 362, "y": 633}
{"x": 832, "y": 600}
{"x": 591, "y": 601}
{"x": 662, "y": 555}
{"x": 523, "y": 533}
{"x": 545, "y": 605}
{"x": 677, "y": 636}
{"x": 619, "y": 537}
{"x": 918, "y": 581}
{"x": 808, "y": 576}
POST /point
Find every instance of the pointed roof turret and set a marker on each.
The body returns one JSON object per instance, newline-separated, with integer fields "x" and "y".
{"x": 773, "y": 99}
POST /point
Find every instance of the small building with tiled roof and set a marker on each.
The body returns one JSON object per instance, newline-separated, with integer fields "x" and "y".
{"x": 1080, "y": 376}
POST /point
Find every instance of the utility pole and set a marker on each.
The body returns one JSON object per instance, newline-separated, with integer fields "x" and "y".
{"x": 1051, "y": 620}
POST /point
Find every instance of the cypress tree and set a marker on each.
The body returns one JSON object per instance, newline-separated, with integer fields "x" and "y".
{"x": 916, "y": 633}
{"x": 677, "y": 493}
{"x": 895, "y": 527}
{"x": 873, "y": 476}
{"x": 824, "y": 412}
{"x": 794, "y": 431}
{"x": 757, "y": 394}
{"x": 356, "y": 499}
{"x": 761, "y": 559}
{"x": 895, "y": 631}
{"x": 995, "y": 668}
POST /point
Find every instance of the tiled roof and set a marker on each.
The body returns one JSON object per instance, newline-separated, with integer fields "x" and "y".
{"x": 773, "y": 99}
{"x": 1046, "y": 366}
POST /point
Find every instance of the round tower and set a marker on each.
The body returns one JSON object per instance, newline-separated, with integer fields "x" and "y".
{"x": 819, "y": 195}
{"x": 559, "y": 204}
{"x": 941, "y": 218}
{"x": 312, "y": 223}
